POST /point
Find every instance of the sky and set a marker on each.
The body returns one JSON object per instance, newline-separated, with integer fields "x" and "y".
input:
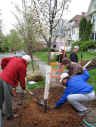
{"x": 8, "y": 20}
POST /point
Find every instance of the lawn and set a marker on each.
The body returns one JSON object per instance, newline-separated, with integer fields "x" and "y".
{"x": 37, "y": 85}
{"x": 43, "y": 56}
{"x": 92, "y": 79}
{"x": 87, "y": 55}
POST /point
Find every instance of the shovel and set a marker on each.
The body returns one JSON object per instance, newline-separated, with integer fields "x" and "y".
{"x": 39, "y": 101}
{"x": 87, "y": 64}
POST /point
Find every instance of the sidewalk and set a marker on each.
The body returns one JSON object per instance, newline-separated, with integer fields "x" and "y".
{"x": 43, "y": 67}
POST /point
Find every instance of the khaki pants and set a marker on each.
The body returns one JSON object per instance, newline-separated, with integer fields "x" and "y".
{"x": 76, "y": 99}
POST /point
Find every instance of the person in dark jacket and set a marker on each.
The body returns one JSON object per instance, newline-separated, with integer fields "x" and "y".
{"x": 77, "y": 91}
{"x": 73, "y": 55}
{"x": 61, "y": 55}
{"x": 13, "y": 72}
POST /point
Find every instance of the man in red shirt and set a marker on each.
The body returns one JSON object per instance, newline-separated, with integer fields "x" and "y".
{"x": 13, "y": 72}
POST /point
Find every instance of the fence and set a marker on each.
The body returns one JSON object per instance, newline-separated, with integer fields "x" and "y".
{"x": 56, "y": 70}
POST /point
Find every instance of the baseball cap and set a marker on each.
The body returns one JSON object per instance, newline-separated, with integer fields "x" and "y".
{"x": 76, "y": 47}
{"x": 27, "y": 58}
{"x": 63, "y": 76}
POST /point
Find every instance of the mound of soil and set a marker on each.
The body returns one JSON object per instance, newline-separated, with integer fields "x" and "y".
{"x": 32, "y": 115}
{"x": 92, "y": 65}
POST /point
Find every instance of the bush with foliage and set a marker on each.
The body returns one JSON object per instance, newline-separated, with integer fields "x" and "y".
{"x": 85, "y": 45}
{"x": 85, "y": 28}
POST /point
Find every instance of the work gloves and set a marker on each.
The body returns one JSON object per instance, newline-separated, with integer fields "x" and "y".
{"x": 53, "y": 106}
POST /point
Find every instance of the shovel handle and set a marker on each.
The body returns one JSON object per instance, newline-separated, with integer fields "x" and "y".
{"x": 30, "y": 92}
{"x": 87, "y": 64}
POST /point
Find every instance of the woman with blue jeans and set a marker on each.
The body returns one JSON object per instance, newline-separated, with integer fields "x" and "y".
{"x": 77, "y": 90}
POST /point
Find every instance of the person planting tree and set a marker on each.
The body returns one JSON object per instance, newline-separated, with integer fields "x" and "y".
{"x": 13, "y": 71}
{"x": 77, "y": 91}
{"x": 72, "y": 67}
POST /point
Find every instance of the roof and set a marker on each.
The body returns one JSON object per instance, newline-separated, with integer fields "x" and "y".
{"x": 77, "y": 18}
{"x": 92, "y": 7}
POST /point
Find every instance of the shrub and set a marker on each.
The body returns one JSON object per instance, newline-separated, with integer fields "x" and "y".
{"x": 85, "y": 45}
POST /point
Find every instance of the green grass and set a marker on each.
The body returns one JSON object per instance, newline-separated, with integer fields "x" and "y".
{"x": 87, "y": 55}
{"x": 43, "y": 56}
{"x": 37, "y": 85}
{"x": 35, "y": 66}
{"x": 92, "y": 79}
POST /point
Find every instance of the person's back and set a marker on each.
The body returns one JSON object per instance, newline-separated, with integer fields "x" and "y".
{"x": 77, "y": 84}
{"x": 74, "y": 69}
{"x": 14, "y": 71}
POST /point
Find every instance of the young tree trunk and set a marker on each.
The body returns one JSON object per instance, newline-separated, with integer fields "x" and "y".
{"x": 49, "y": 52}
{"x": 30, "y": 53}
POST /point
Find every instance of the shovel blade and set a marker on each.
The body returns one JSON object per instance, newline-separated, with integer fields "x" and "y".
{"x": 39, "y": 101}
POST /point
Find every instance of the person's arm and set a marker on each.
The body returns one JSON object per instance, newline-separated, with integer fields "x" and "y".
{"x": 63, "y": 99}
{"x": 85, "y": 75}
{"x": 22, "y": 77}
{"x": 4, "y": 62}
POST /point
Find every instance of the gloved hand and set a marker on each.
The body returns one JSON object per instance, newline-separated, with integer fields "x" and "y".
{"x": 53, "y": 106}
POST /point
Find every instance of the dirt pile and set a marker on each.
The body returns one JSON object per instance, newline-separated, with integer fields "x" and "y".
{"x": 92, "y": 65}
{"x": 31, "y": 113}
{"x": 33, "y": 116}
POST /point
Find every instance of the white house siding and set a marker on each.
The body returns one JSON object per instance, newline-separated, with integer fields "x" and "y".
{"x": 92, "y": 16}
{"x": 93, "y": 20}
{"x": 75, "y": 34}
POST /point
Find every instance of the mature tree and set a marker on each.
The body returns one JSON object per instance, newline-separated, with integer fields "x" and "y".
{"x": 28, "y": 25}
{"x": 85, "y": 28}
{"x": 50, "y": 13}
{"x": 82, "y": 28}
{"x": 1, "y": 33}
{"x": 14, "y": 41}
{"x": 88, "y": 30}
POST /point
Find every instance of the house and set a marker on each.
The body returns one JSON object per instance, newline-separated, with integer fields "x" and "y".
{"x": 92, "y": 16}
{"x": 68, "y": 32}
{"x": 60, "y": 34}
{"x": 74, "y": 27}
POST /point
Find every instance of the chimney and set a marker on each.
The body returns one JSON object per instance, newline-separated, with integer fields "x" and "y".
{"x": 83, "y": 14}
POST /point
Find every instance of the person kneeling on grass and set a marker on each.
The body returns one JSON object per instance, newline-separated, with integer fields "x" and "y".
{"x": 77, "y": 90}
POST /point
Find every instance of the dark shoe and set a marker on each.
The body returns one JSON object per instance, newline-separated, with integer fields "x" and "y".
{"x": 13, "y": 117}
{"x": 9, "y": 118}
{"x": 83, "y": 113}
